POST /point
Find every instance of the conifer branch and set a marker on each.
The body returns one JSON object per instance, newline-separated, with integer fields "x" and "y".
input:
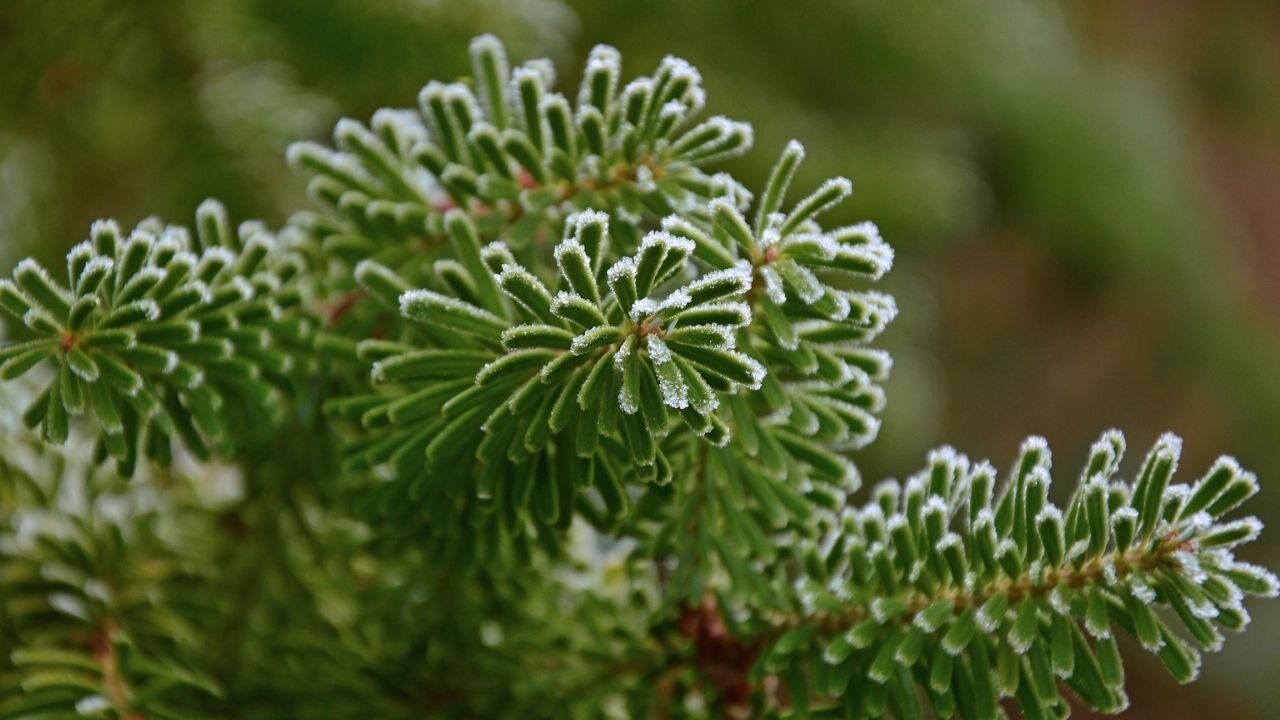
{"x": 161, "y": 334}
{"x": 597, "y": 408}
{"x": 930, "y": 583}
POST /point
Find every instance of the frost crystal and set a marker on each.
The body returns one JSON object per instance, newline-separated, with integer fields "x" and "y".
{"x": 676, "y": 300}
{"x": 1267, "y": 579}
{"x": 1248, "y": 529}
{"x": 1141, "y": 590}
{"x": 658, "y": 350}
{"x": 30, "y": 266}
{"x": 1006, "y": 547}
{"x": 219, "y": 255}
{"x": 726, "y": 186}
{"x": 497, "y": 250}
{"x": 418, "y": 304}
{"x": 1019, "y": 645}
{"x": 1168, "y": 447}
{"x": 620, "y": 357}
{"x": 82, "y": 251}
{"x": 825, "y": 244}
{"x": 917, "y": 567}
{"x": 640, "y": 86}
{"x": 586, "y": 218}
{"x": 179, "y": 238}
{"x": 1169, "y": 443}
{"x": 1198, "y": 522}
{"x": 740, "y": 311}
{"x": 936, "y": 505}
{"x": 679, "y": 226}
{"x": 796, "y": 149}
{"x": 865, "y": 232}
{"x": 625, "y": 266}
{"x": 1203, "y": 608}
{"x": 1191, "y": 566}
{"x": 626, "y": 400}
{"x": 405, "y": 125}
{"x": 896, "y": 521}
{"x": 723, "y": 204}
{"x": 150, "y": 310}
{"x": 1077, "y": 550}
{"x": 879, "y": 257}
{"x": 643, "y": 308}
{"x": 739, "y": 274}
{"x": 724, "y": 337}
{"x": 756, "y": 370}
{"x": 1124, "y": 514}
{"x": 706, "y": 406}
{"x": 603, "y": 59}
{"x": 538, "y": 71}
{"x": 773, "y": 285}
{"x": 984, "y": 518}
{"x": 807, "y": 285}
{"x": 679, "y": 69}
{"x": 664, "y": 238}
{"x": 1176, "y": 495}
{"x": 1060, "y": 600}
{"x": 674, "y": 391}
{"x": 562, "y": 298}
{"x": 673, "y": 111}
{"x": 769, "y": 237}
{"x": 568, "y": 245}
{"x": 1038, "y": 445}
{"x": 592, "y": 339}
{"x": 1047, "y": 513}
{"x": 104, "y": 227}
{"x": 98, "y": 264}
{"x": 149, "y": 273}
{"x": 989, "y": 621}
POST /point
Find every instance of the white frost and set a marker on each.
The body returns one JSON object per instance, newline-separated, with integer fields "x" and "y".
{"x": 773, "y": 285}
{"x": 625, "y": 266}
{"x": 643, "y": 308}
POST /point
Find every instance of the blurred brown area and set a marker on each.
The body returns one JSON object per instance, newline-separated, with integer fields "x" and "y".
{"x": 1222, "y": 62}
{"x": 1085, "y": 196}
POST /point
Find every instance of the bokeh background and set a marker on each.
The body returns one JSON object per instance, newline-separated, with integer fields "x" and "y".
{"x": 1084, "y": 196}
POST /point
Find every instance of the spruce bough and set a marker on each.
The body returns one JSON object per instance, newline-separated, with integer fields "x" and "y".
{"x": 594, "y": 407}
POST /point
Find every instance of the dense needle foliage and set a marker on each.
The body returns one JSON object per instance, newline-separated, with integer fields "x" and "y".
{"x": 535, "y": 415}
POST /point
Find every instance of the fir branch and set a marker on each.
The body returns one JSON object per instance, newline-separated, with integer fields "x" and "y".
{"x": 895, "y": 595}
{"x": 622, "y": 452}
{"x": 517, "y": 155}
{"x": 161, "y": 335}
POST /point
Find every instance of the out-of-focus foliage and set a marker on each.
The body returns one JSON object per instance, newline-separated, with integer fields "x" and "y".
{"x": 135, "y": 108}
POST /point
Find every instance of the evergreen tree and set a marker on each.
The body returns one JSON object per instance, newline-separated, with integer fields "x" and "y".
{"x": 535, "y": 415}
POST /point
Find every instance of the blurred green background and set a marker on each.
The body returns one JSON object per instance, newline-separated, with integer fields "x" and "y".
{"x": 1085, "y": 196}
